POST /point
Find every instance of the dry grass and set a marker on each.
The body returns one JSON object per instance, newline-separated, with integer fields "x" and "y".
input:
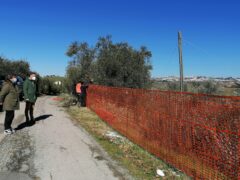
{"x": 140, "y": 163}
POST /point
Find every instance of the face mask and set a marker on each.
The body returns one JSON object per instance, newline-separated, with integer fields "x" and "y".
{"x": 14, "y": 80}
{"x": 34, "y": 78}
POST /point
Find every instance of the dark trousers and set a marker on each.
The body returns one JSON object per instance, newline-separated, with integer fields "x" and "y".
{"x": 29, "y": 111}
{"x": 8, "y": 119}
{"x": 79, "y": 98}
{"x": 83, "y": 100}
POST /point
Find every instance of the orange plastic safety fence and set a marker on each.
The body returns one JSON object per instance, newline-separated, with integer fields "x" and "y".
{"x": 198, "y": 134}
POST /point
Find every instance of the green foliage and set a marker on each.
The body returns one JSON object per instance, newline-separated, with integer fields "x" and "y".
{"x": 208, "y": 87}
{"x": 122, "y": 66}
{"x": 110, "y": 64}
{"x": 19, "y": 67}
{"x": 81, "y": 65}
{"x": 237, "y": 92}
{"x": 82, "y": 58}
{"x": 52, "y": 85}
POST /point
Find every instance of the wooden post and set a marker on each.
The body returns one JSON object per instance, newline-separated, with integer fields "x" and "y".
{"x": 180, "y": 60}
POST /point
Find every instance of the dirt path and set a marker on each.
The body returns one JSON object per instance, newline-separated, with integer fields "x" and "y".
{"x": 53, "y": 149}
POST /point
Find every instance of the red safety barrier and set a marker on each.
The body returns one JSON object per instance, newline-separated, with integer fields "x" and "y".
{"x": 198, "y": 134}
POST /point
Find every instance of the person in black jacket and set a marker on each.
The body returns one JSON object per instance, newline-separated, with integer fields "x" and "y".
{"x": 83, "y": 96}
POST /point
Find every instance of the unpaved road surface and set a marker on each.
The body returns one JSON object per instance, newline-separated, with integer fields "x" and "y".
{"x": 55, "y": 148}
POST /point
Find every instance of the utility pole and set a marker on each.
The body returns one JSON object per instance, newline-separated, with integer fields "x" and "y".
{"x": 180, "y": 60}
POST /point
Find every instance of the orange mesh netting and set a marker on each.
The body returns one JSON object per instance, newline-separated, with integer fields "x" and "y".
{"x": 198, "y": 134}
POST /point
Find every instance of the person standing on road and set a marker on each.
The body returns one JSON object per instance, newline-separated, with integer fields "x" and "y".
{"x": 79, "y": 92}
{"x": 9, "y": 98}
{"x": 84, "y": 94}
{"x": 30, "y": 96}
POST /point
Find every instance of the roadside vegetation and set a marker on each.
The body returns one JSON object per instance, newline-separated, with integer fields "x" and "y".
{"x": 205, "y": 87}
{"x": 53, "y": 85}
{"x": 108, "y": 63}
{"x": 139, "y": 162}
{"x": 18, "y": 67}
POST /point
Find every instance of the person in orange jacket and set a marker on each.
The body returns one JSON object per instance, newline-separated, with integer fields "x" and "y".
{"x": 79, "y": 91}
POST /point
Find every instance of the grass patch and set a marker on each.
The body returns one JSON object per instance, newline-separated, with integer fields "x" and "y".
{"x": 139, "y": 162}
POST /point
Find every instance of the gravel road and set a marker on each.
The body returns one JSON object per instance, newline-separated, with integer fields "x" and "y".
{"x": 55, "y": 148}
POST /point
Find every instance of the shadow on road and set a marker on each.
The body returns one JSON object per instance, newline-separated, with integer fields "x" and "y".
{"x": 43, "y": 117}
{"x": 39, "y": 118}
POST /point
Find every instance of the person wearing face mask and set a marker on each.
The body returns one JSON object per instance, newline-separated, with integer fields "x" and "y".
{"x": 30, "y": 96}
{"x": 9, "y": 98}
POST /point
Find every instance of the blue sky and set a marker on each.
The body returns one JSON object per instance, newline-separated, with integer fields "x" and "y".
{"x": 40, "y": 31}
